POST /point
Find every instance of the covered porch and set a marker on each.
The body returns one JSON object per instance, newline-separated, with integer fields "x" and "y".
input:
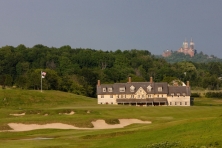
{"x": 143, "y": 102}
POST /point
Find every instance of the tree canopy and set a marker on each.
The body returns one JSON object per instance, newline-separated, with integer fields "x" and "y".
{"x": 77, "y": 70}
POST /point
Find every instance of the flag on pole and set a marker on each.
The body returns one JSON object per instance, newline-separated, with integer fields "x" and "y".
{"x": 43, "y": 74}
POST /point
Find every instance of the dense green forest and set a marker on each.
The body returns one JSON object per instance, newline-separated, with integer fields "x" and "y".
{"x": 77, "y": 70}
{"x": 198, "y": 58}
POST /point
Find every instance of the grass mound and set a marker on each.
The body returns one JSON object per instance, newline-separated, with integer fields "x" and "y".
{"x": 35, "y": 98}
{"x": 195, "y": 126}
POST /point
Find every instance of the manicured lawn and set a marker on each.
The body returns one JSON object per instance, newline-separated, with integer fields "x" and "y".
{"x": 195, "y": 126}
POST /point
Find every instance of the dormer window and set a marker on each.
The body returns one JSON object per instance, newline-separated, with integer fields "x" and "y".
{"x": 149, "y": 88}
{"x": 172, "y": 94}
{"x": 160, "y": 89}
{"x": 132, "y": 88}
{"x": 122, "y": 89}
{"x": 110, "y": 89}
{"x": 104, "y": 89}
{"x": 178, "y": 94}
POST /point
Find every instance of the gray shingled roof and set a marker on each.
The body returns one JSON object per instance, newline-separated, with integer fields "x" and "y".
{"x": 106, "y": 86}
{"x": 160, "y": 100}
{"x": 179, "y": 89}
{"x": 155, "y": 88}
{"x": 137, "y": 85}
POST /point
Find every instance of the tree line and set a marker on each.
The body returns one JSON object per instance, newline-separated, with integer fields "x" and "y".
{"x": 77, "y": 70}
{"x": 197, "y": 58}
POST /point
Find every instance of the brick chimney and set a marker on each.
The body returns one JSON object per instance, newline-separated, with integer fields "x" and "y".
{"x": 98, "y": 83}
{"x": 151, "y": 79}
{"x": 188, "y": 84}
{"x": 129, "y": 81}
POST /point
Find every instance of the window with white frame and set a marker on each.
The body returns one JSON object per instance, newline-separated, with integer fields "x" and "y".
{"x": 110, "y": 89}
{"x": 132, "y": 88}
{"x": 149, "y": 88}
{"x": 178, "y": 94}
{"x": 104, "y": 89}
{"x": 102, "y": 96}
{"x": 122, "y": 89}
{"x": 160, "y": 89}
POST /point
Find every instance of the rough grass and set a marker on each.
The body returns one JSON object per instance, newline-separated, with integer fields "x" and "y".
{"x": 195, "y": 126}
{"x": 17, "y": 98}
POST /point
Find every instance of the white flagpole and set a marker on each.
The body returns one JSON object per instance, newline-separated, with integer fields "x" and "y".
{"x": 41, "y": 81}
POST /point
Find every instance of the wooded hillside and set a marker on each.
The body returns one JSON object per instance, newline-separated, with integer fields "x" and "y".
{"x": 77, "y": 70}
{"x": 197, "y": 58}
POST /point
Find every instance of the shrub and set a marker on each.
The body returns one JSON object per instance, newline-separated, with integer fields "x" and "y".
{"x": 112, "y": 121}
{"x": 213, "y": 95}
{"x": 195, "y": 95}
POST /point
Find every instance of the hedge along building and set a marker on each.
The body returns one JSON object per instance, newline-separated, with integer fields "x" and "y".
{"x": 143, "y": 93}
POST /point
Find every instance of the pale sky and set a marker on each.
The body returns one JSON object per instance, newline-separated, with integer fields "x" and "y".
{"x": 154, "y": 25}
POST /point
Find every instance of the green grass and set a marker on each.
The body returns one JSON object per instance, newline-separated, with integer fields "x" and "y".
{"x": 195, "y": 126}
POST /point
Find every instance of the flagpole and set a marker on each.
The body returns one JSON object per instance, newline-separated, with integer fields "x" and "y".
{"x": 41, "y": 81}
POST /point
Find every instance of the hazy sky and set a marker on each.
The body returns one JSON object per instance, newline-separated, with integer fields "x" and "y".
{"x": 154, "y": 25}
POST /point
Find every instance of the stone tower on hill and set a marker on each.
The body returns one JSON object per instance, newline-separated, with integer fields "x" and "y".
{"x": 186, "y": 49}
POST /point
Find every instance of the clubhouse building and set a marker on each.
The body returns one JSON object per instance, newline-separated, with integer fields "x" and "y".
{"x": 143, "y": 94}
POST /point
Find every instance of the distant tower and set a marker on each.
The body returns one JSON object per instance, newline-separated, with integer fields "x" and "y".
{"x": 185, "y": 44}
{"x": 191, "y": 44}
{"x": 187, "y": 49}
{"x": 167, "y": 53}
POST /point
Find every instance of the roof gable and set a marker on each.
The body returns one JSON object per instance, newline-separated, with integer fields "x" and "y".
{"x": 140, "y": 91}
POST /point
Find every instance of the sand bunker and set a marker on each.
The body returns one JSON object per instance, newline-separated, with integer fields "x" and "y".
{"x": 22, "y": 114}
{"x": 98, "y": 124}
{"x": 71, "y": 113}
